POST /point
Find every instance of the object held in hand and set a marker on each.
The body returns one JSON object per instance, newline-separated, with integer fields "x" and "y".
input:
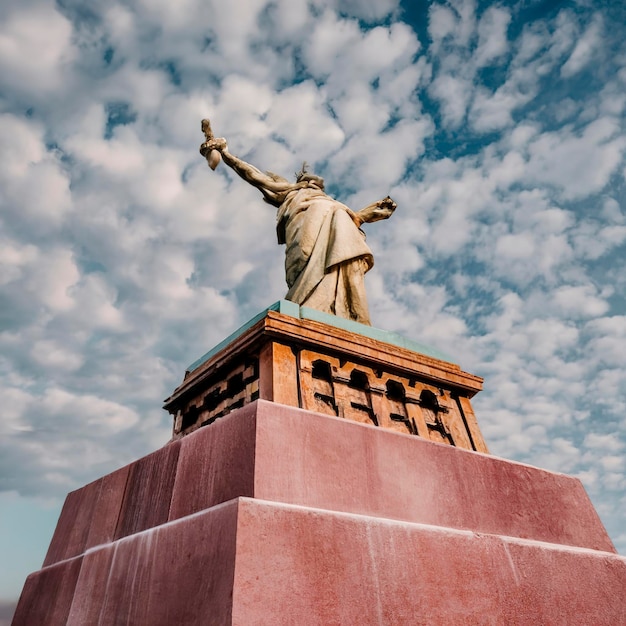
{"x": 388, "y": 203}
{"x": 213, "y": 157}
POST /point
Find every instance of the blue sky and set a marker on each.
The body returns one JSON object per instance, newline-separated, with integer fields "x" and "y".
{"x": 497, "y": 127}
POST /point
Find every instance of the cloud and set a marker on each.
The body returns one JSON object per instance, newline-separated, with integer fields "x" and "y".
{"x": 368, "y": 9}
{"x": 493, "y": 111}
{"x": 577, "y": 163}
{"x": 608, "y": 341}
{"x": 35, "y": 184}
{"x": 579, "y": 300}
{"x": 296, "y": 104}
{"x": 442, "y": 22}
{"x": 454, "y": 94}
{"x": 540, "y": 49}
{"x": 465, "y": 21}
{"x": 35, "y": 49}
{"x": 492, "y": 36}
{"x": 584, "y": 50}
{"x": 345, "y": 57}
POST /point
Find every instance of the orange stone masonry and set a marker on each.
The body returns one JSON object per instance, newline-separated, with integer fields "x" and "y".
{"x": 307, "y": 364}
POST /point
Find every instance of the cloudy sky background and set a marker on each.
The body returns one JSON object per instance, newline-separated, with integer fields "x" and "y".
{"x": 498, "y": 128}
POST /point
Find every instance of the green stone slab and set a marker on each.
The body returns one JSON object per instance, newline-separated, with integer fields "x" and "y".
{"x": 293, "y": 310}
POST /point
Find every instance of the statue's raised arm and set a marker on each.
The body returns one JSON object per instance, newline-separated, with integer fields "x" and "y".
{"x": 326, "y": 255}
{"x": 272, "y": 187}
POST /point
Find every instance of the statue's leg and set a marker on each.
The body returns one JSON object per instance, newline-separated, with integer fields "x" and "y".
{"x": 350, "y": 298}
{"x": 323, "y": 296}
{"x": 342, "y": 292}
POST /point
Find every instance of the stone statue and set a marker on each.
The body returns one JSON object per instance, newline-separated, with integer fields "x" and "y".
{"x": 326, "y": 254}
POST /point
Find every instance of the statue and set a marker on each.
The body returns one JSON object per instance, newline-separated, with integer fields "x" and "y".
{"x": 326, "y": 255}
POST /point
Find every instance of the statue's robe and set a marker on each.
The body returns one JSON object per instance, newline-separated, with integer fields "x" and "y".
{"x": 326, "y": 256}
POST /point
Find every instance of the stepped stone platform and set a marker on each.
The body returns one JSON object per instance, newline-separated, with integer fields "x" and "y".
{"x": 276, "y": 515}
{"x": 325, "y": 473}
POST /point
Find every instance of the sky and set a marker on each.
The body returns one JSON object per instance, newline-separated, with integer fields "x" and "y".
{"x": 497, "y": 127}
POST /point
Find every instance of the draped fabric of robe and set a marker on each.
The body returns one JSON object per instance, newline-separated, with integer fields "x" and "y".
{"x": 326, "y": 256}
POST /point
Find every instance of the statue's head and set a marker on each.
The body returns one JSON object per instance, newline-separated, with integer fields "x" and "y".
{"x": 304, "y": 176}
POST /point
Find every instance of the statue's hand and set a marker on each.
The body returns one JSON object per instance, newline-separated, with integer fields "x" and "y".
{"x": 386, "y": 207}
{"x": 381, "y": 210}
{"x": 216, "y": 143}
{"x": 212, "y": 150}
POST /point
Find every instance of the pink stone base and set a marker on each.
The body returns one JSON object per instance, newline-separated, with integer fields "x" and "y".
{"x": 252, "y": 562}
{"x": 48, "y": 595}
{"x": 279, "y": 453}
{"x": 307, "y": 566}
{"x": 274, "y": 515}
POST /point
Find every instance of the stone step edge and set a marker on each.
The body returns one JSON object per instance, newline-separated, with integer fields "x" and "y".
{"x": 354, "y": 516}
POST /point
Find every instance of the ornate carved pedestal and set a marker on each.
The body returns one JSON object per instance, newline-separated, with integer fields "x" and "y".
{"x": 273, "y": 514}
{"x": 351, "y": 371}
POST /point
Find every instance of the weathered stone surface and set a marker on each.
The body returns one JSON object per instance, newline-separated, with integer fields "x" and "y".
{"x": 179, "y": 573}
{"x": 253, "y": 562}
{"x": 276, "y": 452}
{"x": 216, "y": 464}
{"x": 349, "y": 524}
{"x": 72, "y": 530}
{"x": 107, "y": 507}
{"x": 148, "y": 493}
{"x": 320, "y": 567}
{"x": 93, "y": 585}
{"x": 89, "y": 517}
{"x": 319, "y": 461}
{"x": 47, "y": 595}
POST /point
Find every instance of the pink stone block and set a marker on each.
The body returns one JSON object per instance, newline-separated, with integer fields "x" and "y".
{"x": 320, "y": 461}
{"x": 573, "y": 586}
{"x": 47, "y": 595}
{"x": 216, "y": 464}
{"x": 251, "y": 562}
{"x": 107, "y": 507}
{"x": 72, "y": 530}
{"x": 91, "y": 586}
{"x": 280, "y": 453}
{"x": 179, "y": 573}
{"x": 89, "y": 517}
{"x": 148, "y": 492}
{"x": 308, "y": 566}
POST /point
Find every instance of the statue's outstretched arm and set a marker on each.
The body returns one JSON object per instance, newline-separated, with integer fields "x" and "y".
{"x": 380, "y": 210}
{"x": 252, "y": 175}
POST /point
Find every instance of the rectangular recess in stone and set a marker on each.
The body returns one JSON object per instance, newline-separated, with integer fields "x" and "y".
{"x": 179, "y": 573}
{"x": 216, "y": 463}
{"x": 322, "y": 567}
{"x": 148, "y": 491}
{"x": 320, "y": 461}
{"x": 72, "y": 529}
{"x": 47, "y": 595}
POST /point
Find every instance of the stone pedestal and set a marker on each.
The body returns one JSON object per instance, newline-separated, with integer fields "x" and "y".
{"x": 303, "y": 358}
{"x": 273, "y": 514}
